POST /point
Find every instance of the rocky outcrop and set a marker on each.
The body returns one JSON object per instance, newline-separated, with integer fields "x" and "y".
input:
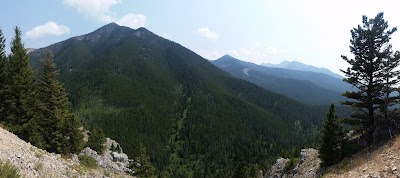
{"x": 308, "y": 166}
{"x": 34, "y": 162}
{"x": 278, "y": 169}
{"x": 113, "y": 160}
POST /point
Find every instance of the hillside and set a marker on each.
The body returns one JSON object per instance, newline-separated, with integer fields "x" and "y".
{"x": 303, "y": 86}
{"x": 194, "y": 118}
{"x": 295, "y": 65}
{"x": 378, "y": 161}
{"x": 34, "y": 162}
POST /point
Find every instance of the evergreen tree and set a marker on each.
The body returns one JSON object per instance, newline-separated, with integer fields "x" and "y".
{"x": 143, "y": 167}
{"x": 332, "y": 139}
{"x": 4, "y": 85}
{"x": 96, "y": 140}
{"x": 22, "y": 105}
{"x": 372, "y": 73}
{"x": 72, "y": 132}
{"x": 240, "y": 170}
{"x": 34, "y": 132}
{"x": 62, "y": 134}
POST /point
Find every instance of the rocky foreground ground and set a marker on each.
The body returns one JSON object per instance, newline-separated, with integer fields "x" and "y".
{"x": 377, "y": 162}
{"x": 34, "y": 162}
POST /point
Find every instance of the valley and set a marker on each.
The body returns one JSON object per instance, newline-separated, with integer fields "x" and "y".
{"x": 192, "y": 117}
{"x": 199, "y": 89}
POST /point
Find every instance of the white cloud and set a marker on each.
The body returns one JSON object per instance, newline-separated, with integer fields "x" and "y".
{"x": 48, "y": 29}
{"x": 209, "y": 54}
{"x": 132, "y": 20}
{"x": 207, "y": 33}
{"x": 99, "y": 9}
{"x": 102, "y": 10}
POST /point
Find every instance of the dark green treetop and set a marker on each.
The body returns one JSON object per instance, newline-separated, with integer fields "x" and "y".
{"x": 22, "y": 87}
{"x": 60, "y": 124}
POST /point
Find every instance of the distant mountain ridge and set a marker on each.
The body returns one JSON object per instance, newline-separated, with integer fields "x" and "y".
{"x": 295, "y": 65}
{"x": 309, "y": 87}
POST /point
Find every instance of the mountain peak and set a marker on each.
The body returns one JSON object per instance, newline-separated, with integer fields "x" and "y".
{"x": 108, "y": 28}
{"x": 103, "y": 31}
{"x": 111, "y": 24}
{"x": 227, "y": 56}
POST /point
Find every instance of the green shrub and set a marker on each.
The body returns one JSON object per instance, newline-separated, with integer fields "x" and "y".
{"x": 87, "y": 161}
{"x": 290, "y": 165}
{"x": 8, "y": 170}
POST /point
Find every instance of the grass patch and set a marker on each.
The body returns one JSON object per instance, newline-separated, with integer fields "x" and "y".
{"x": 88, "y": 161}
{"x": 8, "y": 170}
{"x": 38, "y": 154}
{"x": 38, "y": 166}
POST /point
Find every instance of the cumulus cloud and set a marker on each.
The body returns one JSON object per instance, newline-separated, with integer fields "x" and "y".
{"x": 99, "y": 9}
{"x": 48, "y": 29}
{"x": 207, "y": 33}
{"x": 102, "y": 10}
{"x": 132, "y": 20}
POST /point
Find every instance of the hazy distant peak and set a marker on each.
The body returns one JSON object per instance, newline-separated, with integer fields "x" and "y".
{"x": 227, "y": 56}
{"x": 296, "y": 65}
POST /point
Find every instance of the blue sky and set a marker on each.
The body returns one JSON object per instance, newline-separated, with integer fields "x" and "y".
{"x": 261, "y": 31}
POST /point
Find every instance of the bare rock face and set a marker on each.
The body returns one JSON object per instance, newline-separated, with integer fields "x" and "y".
{"x": 308, "y": 166}
{"x": 278, "y": 169}
{"x": 114, "y": 161}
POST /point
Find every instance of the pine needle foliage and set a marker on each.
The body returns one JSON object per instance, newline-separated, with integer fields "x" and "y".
{"x": 373, "y": 73}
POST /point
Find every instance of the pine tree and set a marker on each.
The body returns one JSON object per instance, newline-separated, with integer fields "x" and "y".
{"x": 4, "y": 83}
{"x": 62, "y": 134}
{"x": 72, "y": 132}
{"x": 240, "y": 170}
{"x": 332, "y": 139}
{"x": 96, "y": 140}
{"x": 144, "y": 168}
{"x": 52, "y": 105}
{"x": 22, "y": 103}
{"x": 372, "y": 73}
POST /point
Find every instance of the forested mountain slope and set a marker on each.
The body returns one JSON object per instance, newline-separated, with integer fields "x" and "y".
{"x": 300, "y": 85}
{"x": 194, "y": 118}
